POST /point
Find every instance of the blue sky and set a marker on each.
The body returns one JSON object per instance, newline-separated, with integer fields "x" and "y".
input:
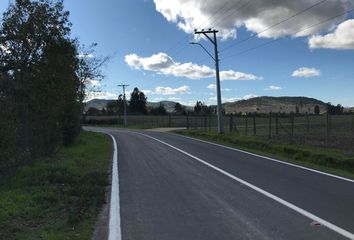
{"x": 148, "y": 42}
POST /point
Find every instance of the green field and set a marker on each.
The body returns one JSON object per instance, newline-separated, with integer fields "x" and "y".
{"x": 315, "y": 130}
{"x": 57, "y": 197}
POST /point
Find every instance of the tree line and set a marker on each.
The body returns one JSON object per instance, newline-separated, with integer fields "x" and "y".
{"x": 43, "y": 81}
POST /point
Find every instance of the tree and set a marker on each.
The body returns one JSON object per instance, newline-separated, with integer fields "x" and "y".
{"x": 316, "y": 110}
{"x": 198, "y": 107}
{"x": 160, "y": 110}
{"x": 331, "y": 109}
{"x": 179, "y": 109}
{"x": 92, "y": 111}
{"x": 297, "y": 111}
{"x": 112, "y": 107}
{"x": 137, "y": 103}
{"x": 43, "y": 75}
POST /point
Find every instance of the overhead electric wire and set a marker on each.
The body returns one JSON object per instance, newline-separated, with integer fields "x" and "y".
{"x": 278, "y": 39}
{"x": 274, "y": 25}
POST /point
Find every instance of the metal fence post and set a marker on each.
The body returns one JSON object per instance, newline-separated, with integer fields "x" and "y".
{"x": 246, "y": 124}
{"x": 277, "y": 124}
{"x": 292, "y": 126}
{"x": 254, "y": 125}
{"x": 231, "y": 123}
{"x": 270, "y": 125}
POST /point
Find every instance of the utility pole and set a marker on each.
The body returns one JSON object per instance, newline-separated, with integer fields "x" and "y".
{"x": 216, "y": 59}
{"x": 125, "y": 104}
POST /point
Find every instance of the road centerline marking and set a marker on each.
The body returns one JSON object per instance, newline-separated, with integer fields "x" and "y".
{"x": 295, "y": 208}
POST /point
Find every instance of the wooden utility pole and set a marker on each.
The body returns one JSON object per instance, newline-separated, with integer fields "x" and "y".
{"x": 216, "y": 60}
{"x": 125, "y": 104}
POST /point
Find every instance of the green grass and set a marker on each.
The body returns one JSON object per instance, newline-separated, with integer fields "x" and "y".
{"x": 324, "y": 159}
{"x": 57, "y": 197}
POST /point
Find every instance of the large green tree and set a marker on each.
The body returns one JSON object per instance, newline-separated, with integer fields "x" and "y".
{"x": 43, "y": 78}
{"x": 137, "y": 103}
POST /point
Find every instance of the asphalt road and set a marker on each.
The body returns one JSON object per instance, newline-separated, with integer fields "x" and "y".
{"x": 168, "y": 194}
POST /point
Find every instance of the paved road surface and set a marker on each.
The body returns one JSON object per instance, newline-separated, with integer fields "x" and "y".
{"x": 166, "y": 194}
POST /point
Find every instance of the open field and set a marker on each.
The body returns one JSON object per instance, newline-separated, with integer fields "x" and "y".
{"x": 316, "y": 130}
{"x": 57, "y": 197}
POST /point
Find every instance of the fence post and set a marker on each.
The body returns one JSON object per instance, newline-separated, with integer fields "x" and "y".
{"x": 308, "y": 123}
{"x": 187, "y": 121}
{"x": 231, "y": 122}
{"x": 169, "y": 120}
{"x": 328, "y": 126}
{"x": 270, "y": 125}
{"x": 246, "y": 124}
{"x": 352, "y": 124}
{"x": 277, "y": 124}
{"x": 209, "y": 123}
{"x": 254, "y": 125}
{"x": 292, "y": 126}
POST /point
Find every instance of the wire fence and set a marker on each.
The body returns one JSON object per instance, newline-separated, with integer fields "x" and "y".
{"x": 317, "y": 130}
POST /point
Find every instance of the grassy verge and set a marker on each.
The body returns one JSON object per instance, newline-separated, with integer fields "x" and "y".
{"x": 57, "y": 197}
{"x": 324, "y": 159}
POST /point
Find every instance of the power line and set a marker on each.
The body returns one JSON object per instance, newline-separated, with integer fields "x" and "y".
{"x": 278, "y": 39}
{"x": 274, "y": 25}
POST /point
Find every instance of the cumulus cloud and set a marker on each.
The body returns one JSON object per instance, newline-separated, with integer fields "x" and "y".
{"x": 273, "y": 88}
{"x": 100, "y": 95}
{"x": 255, "y": 16}
{"x": 172, "y": 91}
{"x": 211, "y": 86}
{"x": 234, "y": 99}
{"x": 232, "y": 75}
{"x": 306, "y": 72}
{"x": 85, "y": 55}
{"x": 341, "y": 38}
{"x": 164, "y": 64}
{"x": 94, "y": 83}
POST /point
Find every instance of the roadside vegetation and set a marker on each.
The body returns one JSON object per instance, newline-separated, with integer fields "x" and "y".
{"x": 57, "y": 197}
{"x": 44, "y": 75}
{"x": 324, "y": 159}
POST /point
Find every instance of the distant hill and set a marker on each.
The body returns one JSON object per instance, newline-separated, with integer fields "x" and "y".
{"x": 275, "y": 104}
{"x": 101, "y": 103}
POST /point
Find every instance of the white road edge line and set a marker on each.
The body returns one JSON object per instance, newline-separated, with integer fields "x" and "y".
{"x": 268, "y": 158}
{"x": 301, "y": 211}
{"x": 114, "y": 212}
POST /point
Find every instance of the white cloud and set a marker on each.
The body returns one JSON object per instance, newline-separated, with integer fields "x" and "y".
{"x": 273, "y": 88}
{"x": 211, "y": 86}
{"x": 100, "y": 95}
{"x": 174, "y": 98}
{"x": 255, "y": 16}
{"x": 341, "y": 38}
{"x": 232, "y": 75}
{"x": 94, "y": 83}
{"x": 164, "y": 64}
{"x": 172, "y": 91}
{"x": 84, "y": 55}
{"x": 306, "y": 72}
{"x": 234, "y": 99}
